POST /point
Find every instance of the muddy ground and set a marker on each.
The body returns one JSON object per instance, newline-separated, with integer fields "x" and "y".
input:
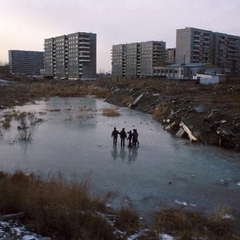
{"x": 211, "y": 113}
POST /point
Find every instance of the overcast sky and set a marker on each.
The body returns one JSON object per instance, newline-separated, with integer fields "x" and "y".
{"x": 24, "y": 24}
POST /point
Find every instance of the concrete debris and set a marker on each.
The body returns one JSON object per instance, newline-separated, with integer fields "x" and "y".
{"x": 189, "y": 133}
{"x": 135, "y": 102}
{"x": 180, "y": 133}
{"x": 208, "y": 114}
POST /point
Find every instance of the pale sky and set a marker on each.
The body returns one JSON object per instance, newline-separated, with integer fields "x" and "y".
{"x": 24, "y": 24}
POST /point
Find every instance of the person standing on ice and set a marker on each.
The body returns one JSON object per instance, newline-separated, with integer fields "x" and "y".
{"x": 114, "y": 135}
{"x": 123, "y": 136}
{"x": 129, "y": 138}
{"x": 135, "y": 141}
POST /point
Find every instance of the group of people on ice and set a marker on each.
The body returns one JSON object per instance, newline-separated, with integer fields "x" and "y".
{"x": 131, "y": 136}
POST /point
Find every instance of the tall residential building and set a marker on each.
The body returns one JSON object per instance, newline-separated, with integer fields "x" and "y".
{"x": 202, "y": 46}
{"x": 170, "y": 55}
{"x": 25, "y": 62}
{"x": 71, "y": 56}
{"x": 132, "y": 59}
{"x": 227, "y": 52}
{"x": 119, "y": 60}
{"x": 137, "y": 59}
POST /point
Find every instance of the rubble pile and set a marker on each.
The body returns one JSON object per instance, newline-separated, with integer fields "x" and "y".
{"x": 203, "y": 114}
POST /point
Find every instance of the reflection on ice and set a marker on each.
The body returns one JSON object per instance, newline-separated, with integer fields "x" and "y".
{"x": 124, "y": 153}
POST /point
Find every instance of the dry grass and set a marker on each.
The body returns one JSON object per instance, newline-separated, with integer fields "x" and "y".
{"x": 86, "y": 116}
{"x": 26, "y": 91}
{"x": 128, "y": 100}
{"x": 87, "y": 109}
{"x": 160, "y": 111}
{"x": 53, "y": 207}
{"x": 111, "y": 112}
{"x": 189, "y": 225}
{"x": 6, "y": 123}
{"x": 127, "y": 220}
{"x": 86, "y": 112}
{"x": 98, "y": 92}
{"x": 8, "y": 116}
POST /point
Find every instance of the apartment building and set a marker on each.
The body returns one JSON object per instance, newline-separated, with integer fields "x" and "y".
{"x": 119, "y": 60}
{"x": 25, "y": 62}
{"x": 132, "y": 59}
{"x": 152, "y": 55}
{"x": 202, "y": 46}
{"x": 170, "y": 55}
{"x": 227, "y": 52}
{"x": 71, "y": 56}
{"x": 137, "y": 59}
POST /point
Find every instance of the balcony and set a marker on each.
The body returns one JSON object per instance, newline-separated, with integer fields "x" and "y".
{"x": 196, "y": 40}
{"x": 84, "y": 60}
{"x": 83, "y": 52}
{"x": 84, "y": 38}
{"x": 84, "y": 41}
{"x": 84, "y": 47}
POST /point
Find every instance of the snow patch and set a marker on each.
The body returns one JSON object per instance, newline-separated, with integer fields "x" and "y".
{"x": 164, "y": 236}
{"x": 181, "y": 203}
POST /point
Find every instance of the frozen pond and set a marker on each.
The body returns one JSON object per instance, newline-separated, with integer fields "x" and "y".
{"x": 75, "y": 139}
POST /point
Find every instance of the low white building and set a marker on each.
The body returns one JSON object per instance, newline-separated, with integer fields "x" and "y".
{"x": 210, "y": 78}
{"x": 185, "y": 71}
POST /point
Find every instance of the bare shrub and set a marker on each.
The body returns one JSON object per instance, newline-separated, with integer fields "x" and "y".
{"x": 25, "y": 129}
{"x": 24, "y": 134}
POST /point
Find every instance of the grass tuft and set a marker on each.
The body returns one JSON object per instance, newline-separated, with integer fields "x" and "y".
{"x": 189, "y": 225}
{"x": 111, "y": 112}
{"x": 127, "y": 220}
{"x": 160, "y": 111}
